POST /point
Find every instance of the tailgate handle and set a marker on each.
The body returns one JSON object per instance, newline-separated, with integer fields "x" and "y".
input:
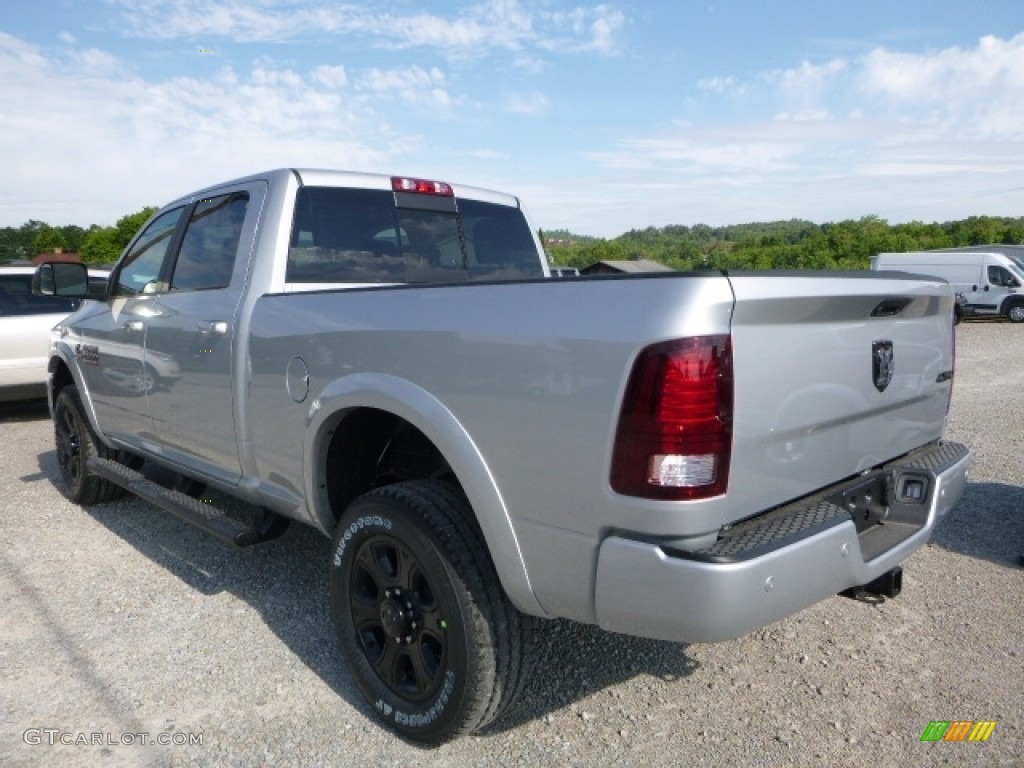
{"x": 891, "y": 307}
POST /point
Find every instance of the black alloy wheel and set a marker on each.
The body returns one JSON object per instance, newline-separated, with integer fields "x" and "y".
{"x": 397, "y": 618}
{"x": 69, "y": 449}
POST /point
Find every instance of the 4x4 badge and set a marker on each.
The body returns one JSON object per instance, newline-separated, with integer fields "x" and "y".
{"x": 882, "y": 364}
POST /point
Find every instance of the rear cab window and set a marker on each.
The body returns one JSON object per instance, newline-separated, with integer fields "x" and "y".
{"x": 367, "y": 236}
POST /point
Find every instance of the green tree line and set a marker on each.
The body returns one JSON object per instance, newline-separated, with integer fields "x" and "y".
{"x": 97, "y": 245}
{"x": 793, "y": 244}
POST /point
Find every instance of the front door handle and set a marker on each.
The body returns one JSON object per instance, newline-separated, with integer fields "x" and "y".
{"x": 133, "y": 325}
{"x": 218, "y": 327}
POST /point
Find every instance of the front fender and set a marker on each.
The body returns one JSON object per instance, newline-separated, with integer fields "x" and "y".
{"x": 430, "y": 416}
{"x": 63, "y": 354}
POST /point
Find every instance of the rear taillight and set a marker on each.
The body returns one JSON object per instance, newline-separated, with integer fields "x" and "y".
{"x": 675, "y": 430}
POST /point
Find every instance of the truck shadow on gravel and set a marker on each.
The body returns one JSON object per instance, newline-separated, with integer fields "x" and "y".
{"x": 987, "y": 523}
{"x": 574, "y": 662}
{"x": 286, "y": 582}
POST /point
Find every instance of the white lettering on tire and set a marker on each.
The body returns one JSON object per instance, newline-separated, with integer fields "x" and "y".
{"x": 428, "y": 717}
{"x": 354, "y": 527}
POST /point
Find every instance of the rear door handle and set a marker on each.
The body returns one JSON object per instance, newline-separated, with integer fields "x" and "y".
{"x": 219, "y": 327}
{"x": 133, "y": 325}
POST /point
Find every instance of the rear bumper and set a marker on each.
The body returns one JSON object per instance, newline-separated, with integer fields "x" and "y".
{"x": 777, "y": 564}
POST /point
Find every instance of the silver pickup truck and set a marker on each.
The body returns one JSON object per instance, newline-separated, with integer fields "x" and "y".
{"x": 678, "y": 456}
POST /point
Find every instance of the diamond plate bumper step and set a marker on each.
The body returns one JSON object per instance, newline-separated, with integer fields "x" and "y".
{"x": 887, "y": 507}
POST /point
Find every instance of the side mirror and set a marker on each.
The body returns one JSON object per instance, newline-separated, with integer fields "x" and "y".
{"x": 1013, "y": 282}
{"x": 70, "y": 280}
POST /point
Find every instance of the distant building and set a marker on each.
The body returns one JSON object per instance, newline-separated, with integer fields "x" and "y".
{"x": 624, "y": 267}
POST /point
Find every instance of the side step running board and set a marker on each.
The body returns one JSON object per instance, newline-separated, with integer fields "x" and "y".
{"x": 202, "y": 515}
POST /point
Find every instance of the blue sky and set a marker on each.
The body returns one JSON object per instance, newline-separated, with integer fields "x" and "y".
{"x": 603, "y": 117}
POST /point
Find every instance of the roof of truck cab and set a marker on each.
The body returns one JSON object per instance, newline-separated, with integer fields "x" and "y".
{"x": 322, "y": 177}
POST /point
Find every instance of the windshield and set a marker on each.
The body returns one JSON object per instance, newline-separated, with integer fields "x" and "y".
{"x": 1018, "y": 267}
{"x": 342, "y": 235}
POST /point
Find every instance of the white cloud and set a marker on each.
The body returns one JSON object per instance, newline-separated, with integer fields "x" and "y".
{"x": 727, "y": 84}
{"x": 893, "y": 101}
{"x": 533, "y": 103}
{"x": 898, "y": 134}
{"x": 593, "y": 29}
{"x": 938, "y": 75}
{"x": 476, "y": 30}
{"x": 689, "y": 151}
{"x": 414, "y": 85}
{"x": 92, "y": 61}
{"x": 18, "y": 52}
{"x": 972, "y": 92}
{"x": 807, "y": 76}
{"x": 104, "y": 141}
{"x": 331, "y": 77}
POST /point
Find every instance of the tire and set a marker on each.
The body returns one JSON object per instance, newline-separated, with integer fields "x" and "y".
{"x": 1016, "y": 313}
{"x": 433, "y": 642}
{"x": 76, "y": 444}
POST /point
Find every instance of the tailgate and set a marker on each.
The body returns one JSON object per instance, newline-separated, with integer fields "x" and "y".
{"x": 835, "y": 373}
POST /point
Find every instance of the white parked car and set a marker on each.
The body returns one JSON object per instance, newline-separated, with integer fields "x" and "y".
{"x": 25, "y": 324}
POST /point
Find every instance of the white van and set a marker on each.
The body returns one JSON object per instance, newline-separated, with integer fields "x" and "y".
{"x": 990, "y": 280}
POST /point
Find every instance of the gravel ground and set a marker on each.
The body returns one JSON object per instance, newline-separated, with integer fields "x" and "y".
{"x": 122, "y": 621}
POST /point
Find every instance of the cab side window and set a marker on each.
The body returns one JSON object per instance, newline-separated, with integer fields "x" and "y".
{"x": 206, "y": 258}
{"x": 141, "y": 269}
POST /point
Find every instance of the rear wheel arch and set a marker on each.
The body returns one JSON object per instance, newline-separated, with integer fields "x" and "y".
{"x": 370, "y": 448}
{"x": 356, "y": 427}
